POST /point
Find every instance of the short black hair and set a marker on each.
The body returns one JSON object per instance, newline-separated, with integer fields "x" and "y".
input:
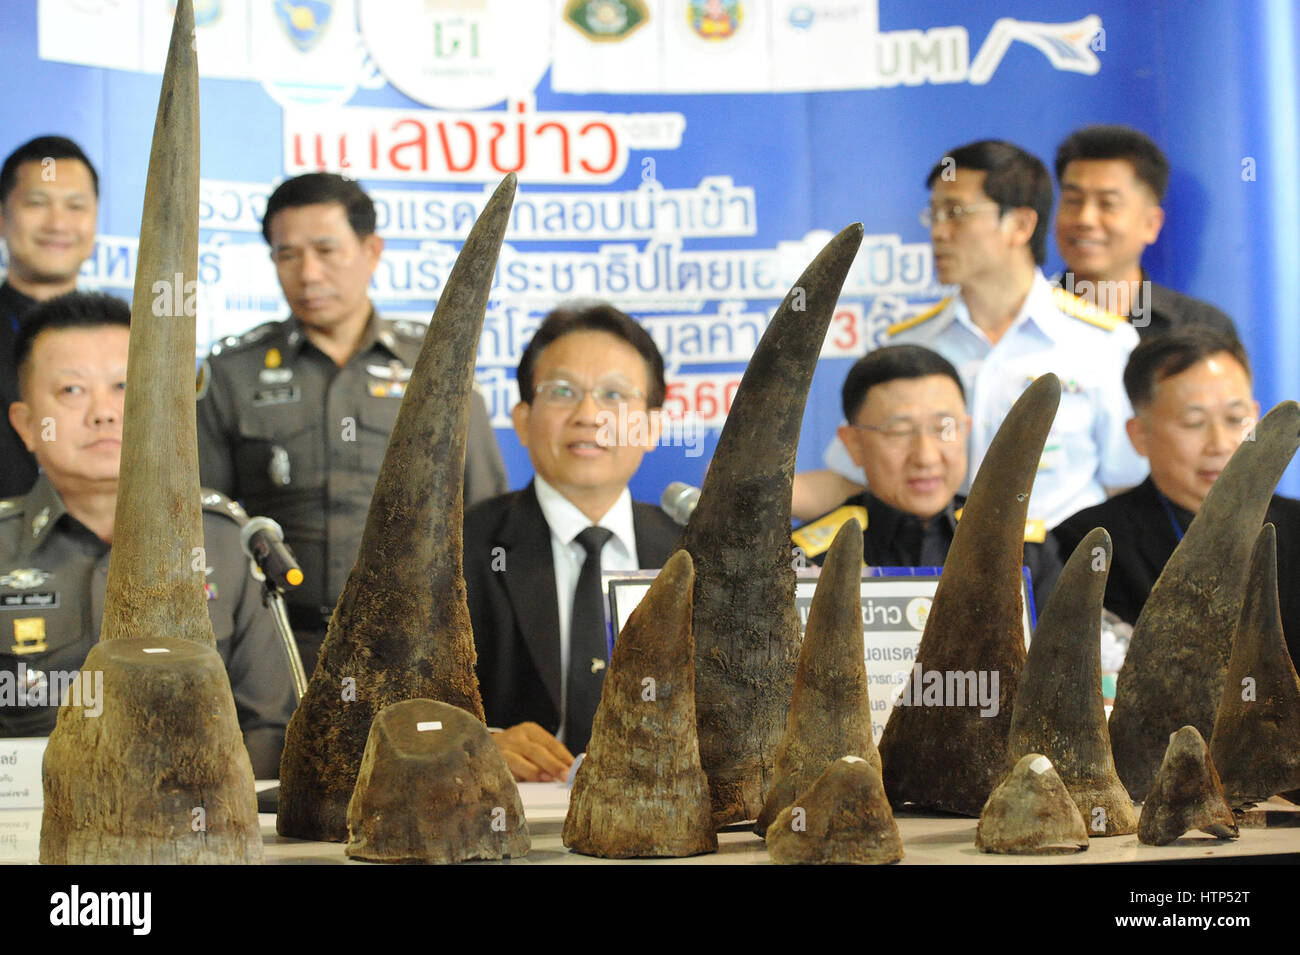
{"x": 315, "y": 188}
{"x": 71, "y": 310}
{"x": 1172, "y": 353}
{"x": 1014, "y": 179}
{"x": 38, "y": 150}
{"x": 891, "y": 363}
{"x": 594, "y": 318}
{"x": 1117, "y": 142}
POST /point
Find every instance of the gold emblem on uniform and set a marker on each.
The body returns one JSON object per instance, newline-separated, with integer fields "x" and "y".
{"x": 273, "y": 358}
{"x": 597, "y": 664}
{"x": 29, "y": 635}
{"x": 39, "y": 521}
{"x": 24, "y": 578}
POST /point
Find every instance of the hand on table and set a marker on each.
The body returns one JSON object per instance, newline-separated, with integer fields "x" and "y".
{"x": 533, "y": 755}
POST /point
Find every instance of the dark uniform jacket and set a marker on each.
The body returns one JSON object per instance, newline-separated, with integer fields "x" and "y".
{"x": 1167, "y": 310}
{"x": 53, "y": 572}
{"x": 513, "y": 610}
{"x": 17, "y": 465}
{"x": 1144, "y": 538}
{"x": 292, "y": 436}
{"x": 894, "y": 538}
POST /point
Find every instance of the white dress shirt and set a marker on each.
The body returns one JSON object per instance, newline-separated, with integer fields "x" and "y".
{"x": 1087, "y": 449}
{"x": 566, "y": 523}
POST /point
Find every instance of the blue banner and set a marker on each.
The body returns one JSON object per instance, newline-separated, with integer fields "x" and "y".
{"x": 683, "y": 159}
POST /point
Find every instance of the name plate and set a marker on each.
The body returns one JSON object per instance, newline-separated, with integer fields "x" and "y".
{"x": 895, "y": 604}
{"x": 20, "y": 773}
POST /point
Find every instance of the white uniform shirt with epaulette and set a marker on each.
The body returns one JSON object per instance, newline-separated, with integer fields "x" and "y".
{"x": 1087, "y": 449}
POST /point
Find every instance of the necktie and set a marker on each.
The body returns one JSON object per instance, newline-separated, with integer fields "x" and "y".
{"x": 586, "y": 644}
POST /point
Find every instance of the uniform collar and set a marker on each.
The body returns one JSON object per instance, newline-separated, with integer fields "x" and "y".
{"x": 889, "y": 520}
{"x": 377, "y": 335}
{"x": 42, "y": 509}
{"x": 566, "y": 521}
{"x": 1037, "y": 312}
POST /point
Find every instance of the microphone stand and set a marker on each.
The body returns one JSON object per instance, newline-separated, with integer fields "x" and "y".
{"x": 273, "y": 597}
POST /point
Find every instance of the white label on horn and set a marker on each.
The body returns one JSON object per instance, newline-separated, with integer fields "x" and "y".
{"x": 1041, "y": 765}
{"x": 155, "y": 650}
{"x": 428, "y": 725}
{"x": 852, "y": 759}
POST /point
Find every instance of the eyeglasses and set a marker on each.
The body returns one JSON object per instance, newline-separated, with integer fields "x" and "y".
{"x": 931, "y": 217}
{"x": 565, "y": 394}
{"x": 945, "y": 430}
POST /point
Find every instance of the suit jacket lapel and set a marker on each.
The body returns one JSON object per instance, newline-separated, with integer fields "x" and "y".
{"x": 655, "y": 540}
{"x": 530, "y": 585}
{"x": 1156, "y": 548}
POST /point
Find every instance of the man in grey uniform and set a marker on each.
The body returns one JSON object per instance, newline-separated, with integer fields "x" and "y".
{"x": 294, "y": 416}
{"x": 55, "y": 541}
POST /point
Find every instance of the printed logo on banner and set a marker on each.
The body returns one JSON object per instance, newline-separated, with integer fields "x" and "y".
{"x": 304, "y": 21}
{"x": 459, "y": 54}
{"x": 306, "y": 52}
{"x": 801, "y": 17}
{"x": 606, "y": 20}
{"x": 206, "y": 12}
{"x": 715, "y": 19}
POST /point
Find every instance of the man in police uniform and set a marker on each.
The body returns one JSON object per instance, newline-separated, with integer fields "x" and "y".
{"x": 907, "y": 430}
{"x": 1193, "y": 403}
{"x": 49, "y": 195}
{"x": 55, "y": 541}
{"x": 294, "y": 417}
{"x": 988, "y": 212}
{"x": 1113, "y": 179}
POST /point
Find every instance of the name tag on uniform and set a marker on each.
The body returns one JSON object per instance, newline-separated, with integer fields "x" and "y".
{"x": 285, "y": 394}
{"x": 44, "y": 599}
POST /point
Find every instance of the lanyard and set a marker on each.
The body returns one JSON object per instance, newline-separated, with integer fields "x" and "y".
{"x": 1169, "y": 513}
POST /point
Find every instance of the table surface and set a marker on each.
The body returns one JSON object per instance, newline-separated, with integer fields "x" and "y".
{"x": 928, "y": 839}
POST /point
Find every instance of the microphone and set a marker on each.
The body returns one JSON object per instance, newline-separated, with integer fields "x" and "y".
{"x": 263, "y": 541}
{"x": 679, "y": 500}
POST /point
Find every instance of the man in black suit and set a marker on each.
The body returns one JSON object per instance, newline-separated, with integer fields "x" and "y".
{"x": 1193, "y": 404}
{"x": 1113, "y": 179}
{"x": 49, "y": 199}
{"x": 591, "y": 384}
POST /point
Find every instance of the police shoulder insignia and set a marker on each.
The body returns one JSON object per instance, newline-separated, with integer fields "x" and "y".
{"x": 1035, "y": 528}
{"x": 10, "y": 506}
{"x": 915, "y": 320}
{"x": 253, "y": 335}
{"x": 1085, "y": 311}
{"x": 815, "y": 537}
{"x": 409, "y": 329}
{"x": 214, "y": 502}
